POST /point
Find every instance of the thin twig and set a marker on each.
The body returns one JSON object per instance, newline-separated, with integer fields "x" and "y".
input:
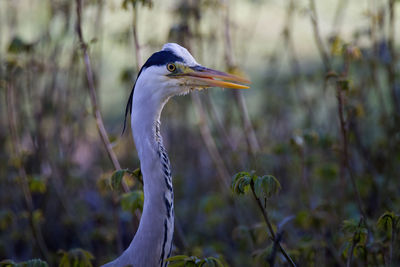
{"x": 354, "y": 242}
{"x": 23, "y": 178}
{"x": 391, "y": 66}
{"x": 135, "y": 38}
{"x": 393, "y": 239}
{"x": 321, "y": 48}
{"x": 338, "y": 17}
{"x": 223, "y": 173}
{"x": 350, "y": 258}
{"x": 344, "y": 134}
{"x": 279, "y": 236}
{"x": 275, "y": 246}
{"x": 343, "y": 127}
{"x": 239, "y": 98}
{"x": 219, "y": 123}
{"x": 92, "y": 93}
{"x": 269, "y": 225}
{"x": 343, "y": 130}
{"x": 373, "y": 64}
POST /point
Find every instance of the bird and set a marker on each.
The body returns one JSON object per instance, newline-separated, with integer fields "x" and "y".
{"x": 168, "y": 72}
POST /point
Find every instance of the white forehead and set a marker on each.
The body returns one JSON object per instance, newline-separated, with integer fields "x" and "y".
{"x": 181, "y": 52}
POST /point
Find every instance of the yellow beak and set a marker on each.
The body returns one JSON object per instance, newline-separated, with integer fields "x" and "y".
{"x": 205, "y": 77}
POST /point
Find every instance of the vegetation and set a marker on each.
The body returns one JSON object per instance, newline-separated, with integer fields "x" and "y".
{"x": 302, "y": 169}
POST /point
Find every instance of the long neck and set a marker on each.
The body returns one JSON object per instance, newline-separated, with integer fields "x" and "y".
{"x": 153, "y": 240}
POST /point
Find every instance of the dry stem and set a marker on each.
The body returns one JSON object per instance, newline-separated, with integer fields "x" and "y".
{"x": 92, "y": 93}
{"x": 23, "y": 178}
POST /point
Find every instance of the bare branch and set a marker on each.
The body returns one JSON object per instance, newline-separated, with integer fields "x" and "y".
{"x": 274, "y": 237}
{"x": 239, "y": 98}
{"x": 344, "y": 132}
{"x": 320, "y": 45}
{"x": 23, "y": 178}
{"x": 92, "y": 93}
{"x": 391, "y": 66}
{"x": 223, "y": 173}
{"x": 136, "y": 38}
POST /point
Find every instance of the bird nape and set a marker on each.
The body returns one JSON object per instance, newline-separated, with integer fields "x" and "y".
{"x": 169, "y": 72}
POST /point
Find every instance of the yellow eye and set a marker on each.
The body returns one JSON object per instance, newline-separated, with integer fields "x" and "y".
{"x": 171, "y": 67}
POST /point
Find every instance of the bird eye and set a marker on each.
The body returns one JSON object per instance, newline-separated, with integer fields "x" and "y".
{"x": 171, "y": 67}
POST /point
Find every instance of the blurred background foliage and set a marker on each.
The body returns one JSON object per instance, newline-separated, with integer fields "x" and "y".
{"x": 321, "y": 122}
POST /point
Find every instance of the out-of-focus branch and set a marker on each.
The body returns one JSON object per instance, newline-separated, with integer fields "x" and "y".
{"x": 320, "y": 45}
{"x": 275, "y": 238}
{"x": 219, "y": 124}
{"x": 338, "y": 18}
{"x": 99, "y": 120}
{"x": 391, "y": 66}
{"x": 353, "y": 245}
{"x": 248, "y": 126}
{"x": 239, "y": 98}
{"x": 345, "y": 146}
{"x": 135, "y": 38}
{"x": 230, "y": 60}
{"x": 373, "y": 65}
{"x": 223, "y": 173}
{"x": 339, "y": 94}
{"x": 23, "y": 178}
{"x": 92, "y": 93}
{"x": 344, "y": 131}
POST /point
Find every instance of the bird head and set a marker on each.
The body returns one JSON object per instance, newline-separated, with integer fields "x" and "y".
{"x": 174, "y": 71}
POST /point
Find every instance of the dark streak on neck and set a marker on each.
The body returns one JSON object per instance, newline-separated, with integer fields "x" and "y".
{"x": 165, "y": 165}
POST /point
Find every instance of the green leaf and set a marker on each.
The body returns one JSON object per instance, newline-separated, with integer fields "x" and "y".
{"x": 266, "y": 186}
{"x": 6, "y": 219}
{"x": 132, "y": 201}
{"x": 337, "y": 46}
{"x": 29, "y": 263}
{"x": 350, "y": 226}
{"x": 137, "y": 173}
{"x": 387, "y": 221}
{"x": 177, "y": 264}
{"x": 37, "y": 185}
{"x": 190, "y": 263}
{"x": 37, "y": 216}
{"x": 17, "y": 45}
{"x": 345, "y": 249}
{"x": 76, "y": 257}
{"x": 116, "y": 180}
{"x": 360, "y": 251}
{"x": 241, "y": 183}
{"x": 343, "y": 84}
{"x": 357, "y": 230}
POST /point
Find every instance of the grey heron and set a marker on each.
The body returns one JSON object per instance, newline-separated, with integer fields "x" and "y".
{"x": 169, "y": 72}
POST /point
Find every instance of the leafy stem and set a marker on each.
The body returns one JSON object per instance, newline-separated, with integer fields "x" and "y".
{"x": 262, "y": 187}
